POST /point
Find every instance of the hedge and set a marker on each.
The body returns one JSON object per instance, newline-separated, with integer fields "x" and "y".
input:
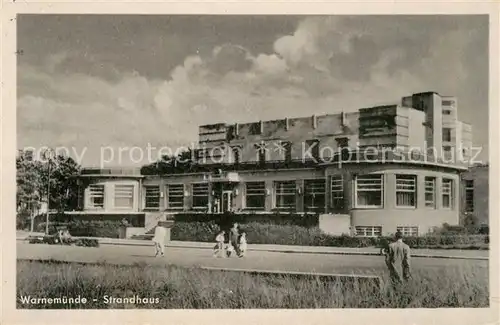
{"x": 134, "y": 220}
{"x": 294, "y": 235}
{"x": 83, "y": 228}
{"x": 226, "y": 219}
{"x": 84, "y": 242}
{"x": 258, "y": 233}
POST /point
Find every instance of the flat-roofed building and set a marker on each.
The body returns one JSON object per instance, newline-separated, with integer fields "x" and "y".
{"x": 368, "y": 173}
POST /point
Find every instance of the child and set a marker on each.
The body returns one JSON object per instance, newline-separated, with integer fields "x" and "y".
{"x": 243, "y": 244}
{"x": 229, "y": 249}
{"x": 219, "y": 246}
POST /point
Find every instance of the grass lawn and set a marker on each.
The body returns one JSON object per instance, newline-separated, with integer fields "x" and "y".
{"x": 178, "y": 287}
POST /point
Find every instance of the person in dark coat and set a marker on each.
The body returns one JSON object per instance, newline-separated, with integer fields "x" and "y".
{"x": 234, "y": 236}
{"x": 398, "y": 260}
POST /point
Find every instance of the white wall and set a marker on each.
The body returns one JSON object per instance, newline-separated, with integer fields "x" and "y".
{"x": 416, "y": 132}
{"x": 109, "y": 195}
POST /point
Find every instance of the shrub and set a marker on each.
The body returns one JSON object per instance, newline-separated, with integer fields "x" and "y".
{"x": 484, "y": 230}
{"x": 84, "y": 228}
{"x": 267, "y": 233}
{"x": 258, "y": 233}
{"x": 226, "y": 219}
{"x": 86, "y": 242}
{"x": 194, "y": 231}
{"x": 471, "y": 223}
{"x": 35, "y": 240}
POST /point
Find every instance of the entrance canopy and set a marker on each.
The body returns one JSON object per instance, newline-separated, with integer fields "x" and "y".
{"x": 220, "y": 176}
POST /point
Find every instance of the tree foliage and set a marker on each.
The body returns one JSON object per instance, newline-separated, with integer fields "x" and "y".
{"x": 183, "y": 162}
{"x": 35, "y": 178}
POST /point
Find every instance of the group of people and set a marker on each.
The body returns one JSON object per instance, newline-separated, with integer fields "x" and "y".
{"x": 64, "y": 236}
{"x": 236, "y": 243}
{"x": 397, "y": 254}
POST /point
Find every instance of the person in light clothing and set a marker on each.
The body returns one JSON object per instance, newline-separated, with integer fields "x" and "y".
{"x": 219, "y": 246}
{"x": 229, "y": 249}
{"x": 243, "y": 244}
{"x": 159, "y": 239}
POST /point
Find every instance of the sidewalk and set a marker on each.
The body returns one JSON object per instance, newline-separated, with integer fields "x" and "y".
{"x": 422, "y": 253}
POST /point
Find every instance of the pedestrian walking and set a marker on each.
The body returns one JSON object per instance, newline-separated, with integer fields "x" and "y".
{"x": 398, "y": 260}
{"x": 234, "y": 236}
{"x": 159, "y": 240}
{"x": 242, "y": 244}
{"x": 219, "y": 244}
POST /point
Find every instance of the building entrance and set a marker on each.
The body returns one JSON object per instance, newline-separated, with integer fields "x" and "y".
{"x": 222, "y": 197}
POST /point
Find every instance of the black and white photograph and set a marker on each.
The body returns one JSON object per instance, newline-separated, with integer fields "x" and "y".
{"x": 175, "y": 161}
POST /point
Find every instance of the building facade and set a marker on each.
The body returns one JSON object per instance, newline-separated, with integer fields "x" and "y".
{"x": 368, "y": 173}
{"x": 475, "y": 193}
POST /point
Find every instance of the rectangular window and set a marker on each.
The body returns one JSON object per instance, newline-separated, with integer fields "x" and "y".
{"x": 447, "y": 191}
{"x": 469, "y": 195}
{"x": 200, "y": 195}
{"x": 236, "y": 154}
{"x": 337, "y": 201}
{"x": 368, "y": 231}
{"x": 314, "y": 194}
{"x": 446, "y": 134}
{"x": 287, "y": 147}
{"x": 285, "y": 192}
{"x": 447, "y": 152}
{"x": 255, "y": 195}
{"x": 448, "y": 102}
{"x": 430, "y": 192}
{"x": 255, "y": 129}
{"x": 408, "y": 231}
{"x": 406, "y": 190}
{"x": 369, "y": 191}
{"x": 124, "y": 196}
{"x": 175, "y": 196}
{"x": 342, "y": 143}
{"x": 261, "y": 149}
{"x": 446, "y": 112}
{"x": 312, "y": 150}
{"x": 96, "y": 196}
{"x": 152, "y": 197}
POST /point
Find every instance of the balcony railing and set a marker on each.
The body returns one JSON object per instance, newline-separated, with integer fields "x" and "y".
{"x": 222, "y": 176}
{"x": 111, "y": 171}
{"x": 347, "y": 157}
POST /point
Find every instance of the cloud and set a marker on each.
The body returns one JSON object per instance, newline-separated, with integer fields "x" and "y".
{"x": 326, "y": 65}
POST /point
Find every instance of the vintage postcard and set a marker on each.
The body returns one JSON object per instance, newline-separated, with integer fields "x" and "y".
{"x": 234, "y": 163}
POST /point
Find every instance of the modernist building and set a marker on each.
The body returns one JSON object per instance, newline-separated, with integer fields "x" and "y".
{"x": 475, "y": 192}
{"x": 369, "y": 172}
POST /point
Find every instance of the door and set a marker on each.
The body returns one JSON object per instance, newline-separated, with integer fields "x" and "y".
{"x": 226, "y": 201}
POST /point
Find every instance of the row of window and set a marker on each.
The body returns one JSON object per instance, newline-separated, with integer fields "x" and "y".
{"x": 370, "y": 189}
{"x": 123, "y": 196}
{"x": 369, "y": 193}
{"x": 376, "y": 231}
{"x": 285, "y": 147}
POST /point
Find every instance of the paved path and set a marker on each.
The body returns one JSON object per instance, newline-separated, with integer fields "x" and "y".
{"x": 263, "y": 260}
{"x": 438, "y": 253}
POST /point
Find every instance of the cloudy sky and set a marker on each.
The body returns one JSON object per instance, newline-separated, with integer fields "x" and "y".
{"x": 92, "y": 82}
